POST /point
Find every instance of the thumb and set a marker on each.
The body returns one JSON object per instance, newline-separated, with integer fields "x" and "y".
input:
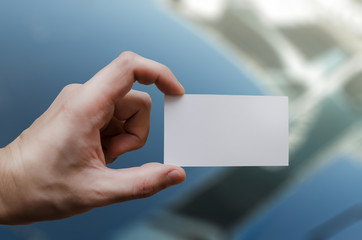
{"x": 139, "y": 182}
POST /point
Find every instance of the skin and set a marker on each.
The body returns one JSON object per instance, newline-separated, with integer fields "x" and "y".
{"x": 57, "y": 167}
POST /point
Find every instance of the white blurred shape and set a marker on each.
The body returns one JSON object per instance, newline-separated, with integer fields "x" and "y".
{"x": 344, "y": 12}
{"x": 207, "y": 9}
{"x": 285, "y": 11}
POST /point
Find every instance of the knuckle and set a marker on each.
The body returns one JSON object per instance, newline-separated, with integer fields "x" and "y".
{"x": 70, "y": 87}
{"x": 126, "y": 57}
{"x": 164, "y": 69}
{"x": 146, "y": 100}
{"x": 137, "y": 143}
{"x": 140, "y": 143}
{"x": 68, "y": 96}
{"x": 128, "y": 54}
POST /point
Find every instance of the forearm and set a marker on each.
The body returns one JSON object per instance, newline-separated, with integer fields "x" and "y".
{"x": 20, "y": 201}
{"x": 4, "y": 158}
{"x": 11, "y": 195}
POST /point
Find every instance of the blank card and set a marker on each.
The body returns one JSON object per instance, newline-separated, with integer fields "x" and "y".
{"x": 226, "y": 130}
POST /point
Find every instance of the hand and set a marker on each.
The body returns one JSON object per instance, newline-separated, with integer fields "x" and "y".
{"x": 57, "y": 167}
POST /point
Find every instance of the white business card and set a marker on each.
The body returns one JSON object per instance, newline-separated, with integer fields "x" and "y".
{"x": 226, "y": 130}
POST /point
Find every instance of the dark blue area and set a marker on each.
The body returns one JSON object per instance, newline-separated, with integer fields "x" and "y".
{"x": 303, "y": 211}
{"x": 45, "y": 45}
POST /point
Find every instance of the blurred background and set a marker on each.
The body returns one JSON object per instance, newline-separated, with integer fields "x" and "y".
{"x": 309, "y": 50}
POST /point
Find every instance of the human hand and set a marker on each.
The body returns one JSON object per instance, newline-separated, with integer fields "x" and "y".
{"x": 57, "y": 167}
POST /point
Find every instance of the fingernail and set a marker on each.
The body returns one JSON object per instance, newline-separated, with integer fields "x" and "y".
{"x": 174, "y": 177}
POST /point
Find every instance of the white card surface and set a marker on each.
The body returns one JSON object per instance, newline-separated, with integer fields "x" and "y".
{"x": 226, "y": 130}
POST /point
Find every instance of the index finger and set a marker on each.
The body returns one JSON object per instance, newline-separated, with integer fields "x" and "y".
{"x": 116, "y": 79}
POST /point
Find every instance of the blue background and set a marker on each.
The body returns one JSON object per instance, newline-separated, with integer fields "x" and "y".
{"x": 45, "y": 45}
